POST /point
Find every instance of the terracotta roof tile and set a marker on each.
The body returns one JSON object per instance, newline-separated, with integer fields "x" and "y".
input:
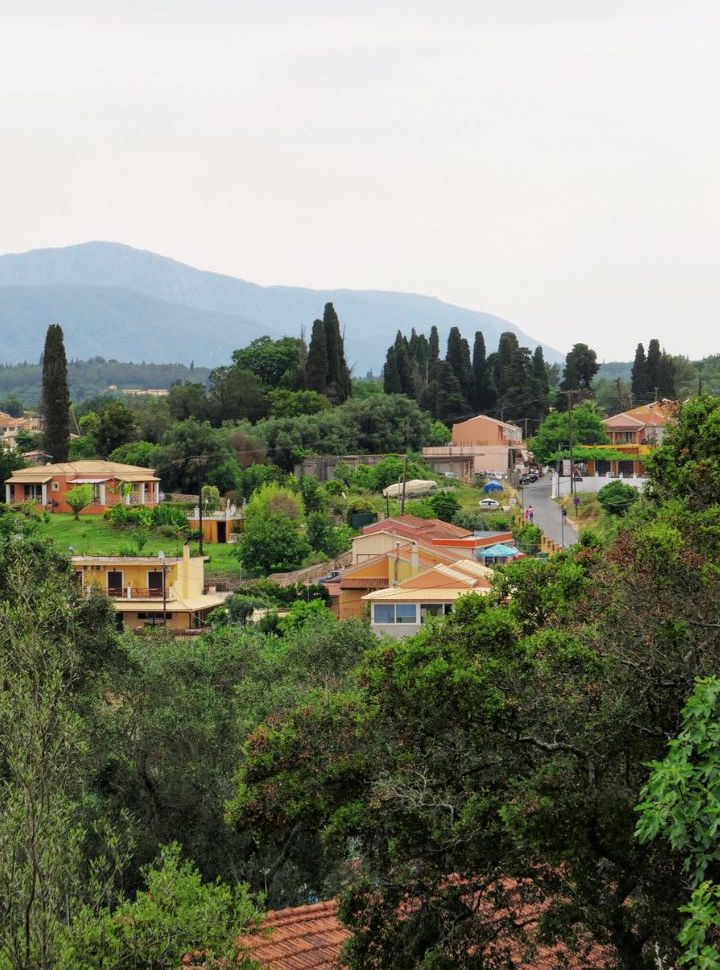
{"x": 311, "y": 938}
{"x": 363, "y": 582}
{"x": 301, "y": 938}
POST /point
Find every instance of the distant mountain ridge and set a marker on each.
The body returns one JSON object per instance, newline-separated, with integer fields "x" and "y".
{"x": 119, "y": 302}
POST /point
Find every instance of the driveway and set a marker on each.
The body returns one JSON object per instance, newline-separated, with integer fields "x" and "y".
{"x": 547, "y": 512}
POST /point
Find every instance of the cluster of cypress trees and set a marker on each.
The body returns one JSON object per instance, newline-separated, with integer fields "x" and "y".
{"x": 511, "y": 383}
{"x": 326, "y": 370}
{"x": 653, "y": 375}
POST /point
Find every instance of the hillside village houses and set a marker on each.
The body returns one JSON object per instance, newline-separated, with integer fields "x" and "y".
{"x": 632, "y": 434}
{"x": 113, "y": 483}
{"x": 477, "y": 446}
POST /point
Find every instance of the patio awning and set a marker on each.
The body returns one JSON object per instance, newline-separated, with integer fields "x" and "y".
{"x": 499, "y": 551}
{"x": 87, "y": 481}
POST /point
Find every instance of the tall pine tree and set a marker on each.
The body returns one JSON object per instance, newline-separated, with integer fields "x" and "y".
{"x": 639, "y": 379}
{"x": 316, "y": 367}
{"x": 55, "y": 396}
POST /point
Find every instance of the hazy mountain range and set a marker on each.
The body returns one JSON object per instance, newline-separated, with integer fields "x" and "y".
{"x": 119, "y": 302}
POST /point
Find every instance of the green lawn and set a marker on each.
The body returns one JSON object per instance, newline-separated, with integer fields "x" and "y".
{"x": 92, "y": 535}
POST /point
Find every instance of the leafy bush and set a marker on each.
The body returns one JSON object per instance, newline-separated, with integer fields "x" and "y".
{"x": 617, "y": 497}
{"x": 445, "y": 505}
{"x": 528, "y": 538}
{"x": 477, "y": 521}
{"x": 123, "y": 516}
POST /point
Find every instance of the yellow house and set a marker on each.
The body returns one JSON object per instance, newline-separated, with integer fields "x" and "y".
{"x": 401, "y": 609}
{"x": 380, "y": 559}
{"x": 152, "y": 591}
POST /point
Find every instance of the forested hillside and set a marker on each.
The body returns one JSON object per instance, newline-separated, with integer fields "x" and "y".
{"x": 90, "y": 377}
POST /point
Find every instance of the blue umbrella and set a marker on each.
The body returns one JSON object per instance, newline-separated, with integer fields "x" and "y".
{"x": 493, "y": 487}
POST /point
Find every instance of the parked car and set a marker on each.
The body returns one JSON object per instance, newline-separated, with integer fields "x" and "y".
{"x": 330, "y": 578}
{"x": 529, "y": 479}
{"x": 488, "y": 503}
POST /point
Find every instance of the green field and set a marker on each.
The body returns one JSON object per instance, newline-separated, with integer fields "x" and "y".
{"x": 92, "y": 535}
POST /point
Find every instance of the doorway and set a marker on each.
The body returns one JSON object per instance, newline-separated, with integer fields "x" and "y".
{"x": 114, "y": 582}
{"x": 222, "y": 531}
{"x": 155, "y": 582}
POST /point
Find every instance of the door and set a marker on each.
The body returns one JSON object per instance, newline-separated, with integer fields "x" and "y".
{"x": 155, "y": 582}
{"x": 115, "y": 582}
{"x": 222, "y": 531}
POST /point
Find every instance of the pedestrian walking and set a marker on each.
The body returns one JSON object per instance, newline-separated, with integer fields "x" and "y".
{"x": 531, "y": 514}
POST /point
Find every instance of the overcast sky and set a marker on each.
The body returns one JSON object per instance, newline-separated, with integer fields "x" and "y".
{"x": 555, "y": 163}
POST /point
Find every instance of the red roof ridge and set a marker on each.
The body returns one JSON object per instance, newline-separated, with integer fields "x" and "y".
{"x": 299, "y": 914}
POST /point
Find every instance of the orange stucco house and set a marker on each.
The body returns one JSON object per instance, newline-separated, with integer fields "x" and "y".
{"x": 112, "y": 484}
{"x": 480, "y": 444}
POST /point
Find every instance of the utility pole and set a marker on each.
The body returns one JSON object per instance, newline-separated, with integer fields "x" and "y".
{"x": 402, "y": 500}
{"x": 570, "y": 441}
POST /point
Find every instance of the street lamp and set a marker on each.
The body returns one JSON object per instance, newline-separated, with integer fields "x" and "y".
{"x": 161, "y": 557}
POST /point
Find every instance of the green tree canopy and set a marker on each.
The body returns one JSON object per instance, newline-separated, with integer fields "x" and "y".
{"x": 553, "y": 434}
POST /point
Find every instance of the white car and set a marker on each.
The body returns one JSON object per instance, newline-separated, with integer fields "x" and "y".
{"x": 489, "y": 503}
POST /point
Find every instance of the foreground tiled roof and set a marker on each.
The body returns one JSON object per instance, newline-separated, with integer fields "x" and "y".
{"x": 311, "y": 938}
{"x": 302, "y": 938}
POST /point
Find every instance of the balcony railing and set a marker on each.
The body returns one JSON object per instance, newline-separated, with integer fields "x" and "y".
{"x": 139, "y": 593}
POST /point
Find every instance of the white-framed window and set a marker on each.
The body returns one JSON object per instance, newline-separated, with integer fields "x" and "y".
{"x": 56, "y": 486}
{"x": 394, "y": 613}
{"x": 434, "y": 609}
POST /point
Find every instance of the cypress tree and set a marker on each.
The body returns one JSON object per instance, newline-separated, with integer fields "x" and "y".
{"x": 507, "y": 347}
{"x": 338, "y": 380}
{"x": 479, "y": 366}
{"x": 652, "y": 366}
{"x": 666, "y": 377}
{"x": 434, "y": 345}
{"x": 451, "y": 403}
{"x": 55, "y": 396}
{"x": 402, "y": 363}
{"x": 316, "y": 368}
{"x": 639, "y": 381}
{"x": 540, "y": 385}
{"x": 458, "y": 356}
{"x": 391, "y": 378}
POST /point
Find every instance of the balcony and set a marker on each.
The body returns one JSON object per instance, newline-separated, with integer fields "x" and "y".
{"x": 140, "y": 593}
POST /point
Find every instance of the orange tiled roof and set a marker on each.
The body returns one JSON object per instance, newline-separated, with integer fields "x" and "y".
{"x": 301, "y": 938}
{"x": 311, "y": 938}
{"x": 363, "y": 582}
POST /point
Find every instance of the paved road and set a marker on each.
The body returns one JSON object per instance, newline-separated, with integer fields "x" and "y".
{"x": 547, "y": 512}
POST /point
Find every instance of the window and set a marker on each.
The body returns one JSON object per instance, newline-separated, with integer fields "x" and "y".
{"x": 384, "y": 613}
{"x": 395, "y": 613}
{"x": 434, "y": 609}
{"x": 56, "y": 486}
{"x": 33, "y": 492}
{"x": 405, "y": 613}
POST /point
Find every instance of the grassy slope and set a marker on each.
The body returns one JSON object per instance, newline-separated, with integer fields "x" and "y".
{"x": 92, "y": 535}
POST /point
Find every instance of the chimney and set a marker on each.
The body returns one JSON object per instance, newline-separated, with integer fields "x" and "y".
{"x": 414, "y": 559}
